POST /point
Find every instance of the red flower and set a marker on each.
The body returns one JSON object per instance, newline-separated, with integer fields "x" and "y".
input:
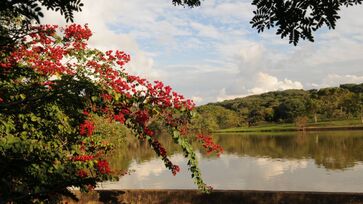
{"x": 175, "y": 169}
{"x": 85, "y": 112}
{"x": 83, "y": 158}
{"x": 148, "y": 132}
{"x": 209, "y": 145}
{"x": 82, "y": 173}
{"x": 103, "y": 167}
{"x": 106, "y": 97}
{"x": 87, "y": 128}
{"x": 120, "y": 118}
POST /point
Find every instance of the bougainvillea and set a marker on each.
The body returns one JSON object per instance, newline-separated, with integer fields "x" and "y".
{"x": 51, "y": 85}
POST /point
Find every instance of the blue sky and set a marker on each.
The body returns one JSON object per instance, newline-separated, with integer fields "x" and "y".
{"x": 211, "y": 53}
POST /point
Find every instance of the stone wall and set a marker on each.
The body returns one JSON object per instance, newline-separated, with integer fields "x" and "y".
{"x": 217, "y": 196}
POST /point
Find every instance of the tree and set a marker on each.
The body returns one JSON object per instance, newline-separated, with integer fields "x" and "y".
{"x": 290, "y": 109}
{"x": 254, "y": 116}
{"x": 301, "y": 122}
{"x": 51, "y": 87}
{"x": 24, "y": 12}
{"x": 297, "y": 18}
{"x": 313, "y": 104}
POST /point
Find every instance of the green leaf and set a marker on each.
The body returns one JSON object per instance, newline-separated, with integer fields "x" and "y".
{"x": 22, "y": 96}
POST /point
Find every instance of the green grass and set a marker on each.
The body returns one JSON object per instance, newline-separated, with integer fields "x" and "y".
{"x": 276, "y": 127}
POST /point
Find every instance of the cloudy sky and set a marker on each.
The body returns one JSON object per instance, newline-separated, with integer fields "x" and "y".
{"x": 211, "y": 53}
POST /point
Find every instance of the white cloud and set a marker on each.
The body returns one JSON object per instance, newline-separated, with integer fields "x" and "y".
{"x": 228, "y": 12}
{"x": 336, "y": 80}
{"x": 266, "y": 82}
{"x": 223, "y": 95}
{"x": 260, "y": 83}
{"x": 197, "y": 99}
{"x": 206, "y": 30}
{"x": 211, "y": 52}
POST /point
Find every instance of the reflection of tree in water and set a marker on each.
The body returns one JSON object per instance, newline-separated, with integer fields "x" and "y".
{"x": 332, "y": 150}
{"x": 133, "y": 150}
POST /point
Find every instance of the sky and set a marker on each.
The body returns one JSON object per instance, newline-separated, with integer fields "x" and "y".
{"x": 211, "y": 53}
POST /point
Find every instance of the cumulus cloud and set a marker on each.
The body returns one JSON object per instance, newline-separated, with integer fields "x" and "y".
{"x": 211, "y": 53}
{"x": 336, "y": 80}
{"x": 266, "y": 82}
{"x": 261, "y": 83}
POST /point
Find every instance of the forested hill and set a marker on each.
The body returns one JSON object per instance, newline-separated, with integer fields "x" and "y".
{"x": 343, "y": 102}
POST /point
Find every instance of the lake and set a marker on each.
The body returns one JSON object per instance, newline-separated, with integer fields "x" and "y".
{"x": 291, "y": 161}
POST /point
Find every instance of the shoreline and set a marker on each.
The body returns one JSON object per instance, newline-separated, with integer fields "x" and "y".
{"x": 291, "y": 129}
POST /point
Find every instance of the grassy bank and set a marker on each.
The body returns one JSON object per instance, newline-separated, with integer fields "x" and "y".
{"x": 319, "y": 126}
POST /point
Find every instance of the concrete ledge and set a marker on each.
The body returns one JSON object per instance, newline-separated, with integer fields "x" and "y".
{"x": 217, "y": 196}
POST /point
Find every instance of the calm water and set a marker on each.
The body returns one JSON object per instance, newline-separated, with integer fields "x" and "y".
{"x": 319, "y": 161}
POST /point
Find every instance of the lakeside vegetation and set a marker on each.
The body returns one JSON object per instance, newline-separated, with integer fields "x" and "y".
{"x": 319, "y": 126}
{"x": 332, "y": 107}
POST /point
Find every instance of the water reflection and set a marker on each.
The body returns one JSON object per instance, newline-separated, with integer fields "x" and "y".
{"x": 321, "y": 161}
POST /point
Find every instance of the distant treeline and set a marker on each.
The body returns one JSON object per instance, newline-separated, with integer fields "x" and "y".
{"x": 344, "y": 102}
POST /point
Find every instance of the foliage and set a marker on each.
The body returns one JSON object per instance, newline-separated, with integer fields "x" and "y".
{"x": 190, "y": 3}
{"x": 53, "y": 88}
{"x": 253, "y": 117}
{"x": 216, "y": 117}
{"x": 344, "y": 102}
{"x": 301, "y": 122}
{"x": 297, "y": 18}
{"x": 16, "y": 16}
{"x": 290, "y": 109}
{"x": 32, "y": 9}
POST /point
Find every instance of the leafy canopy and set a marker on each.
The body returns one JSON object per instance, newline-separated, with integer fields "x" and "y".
{"x": 297, "y": 18}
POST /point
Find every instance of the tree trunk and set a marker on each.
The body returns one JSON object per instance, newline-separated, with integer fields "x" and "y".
{"x": 316, "y": 118}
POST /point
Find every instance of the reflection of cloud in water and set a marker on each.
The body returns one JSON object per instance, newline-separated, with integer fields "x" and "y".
{"x": 277, "y": 167}
{"x": 243, "y": 173}
{"x": 154, "y": 167}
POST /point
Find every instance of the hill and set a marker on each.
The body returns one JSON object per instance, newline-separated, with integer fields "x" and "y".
{"x": 332, "y": 103}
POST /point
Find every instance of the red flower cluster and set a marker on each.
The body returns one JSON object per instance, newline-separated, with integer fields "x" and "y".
{"x": 159, "y": 148}
{"x": 103, "y": 167}
{"x": 106, "y": 97}
{"x": 148, "y": 131}
{"x": 82, "y": 173}
{"x": 175, "y": 169}
{"x": 120, "y": 118}
{"x": 78, "y": 32}
{"x": 86, "y": 128}
{"x": 209, "y": 145}
{"x": 83, "y": 158}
